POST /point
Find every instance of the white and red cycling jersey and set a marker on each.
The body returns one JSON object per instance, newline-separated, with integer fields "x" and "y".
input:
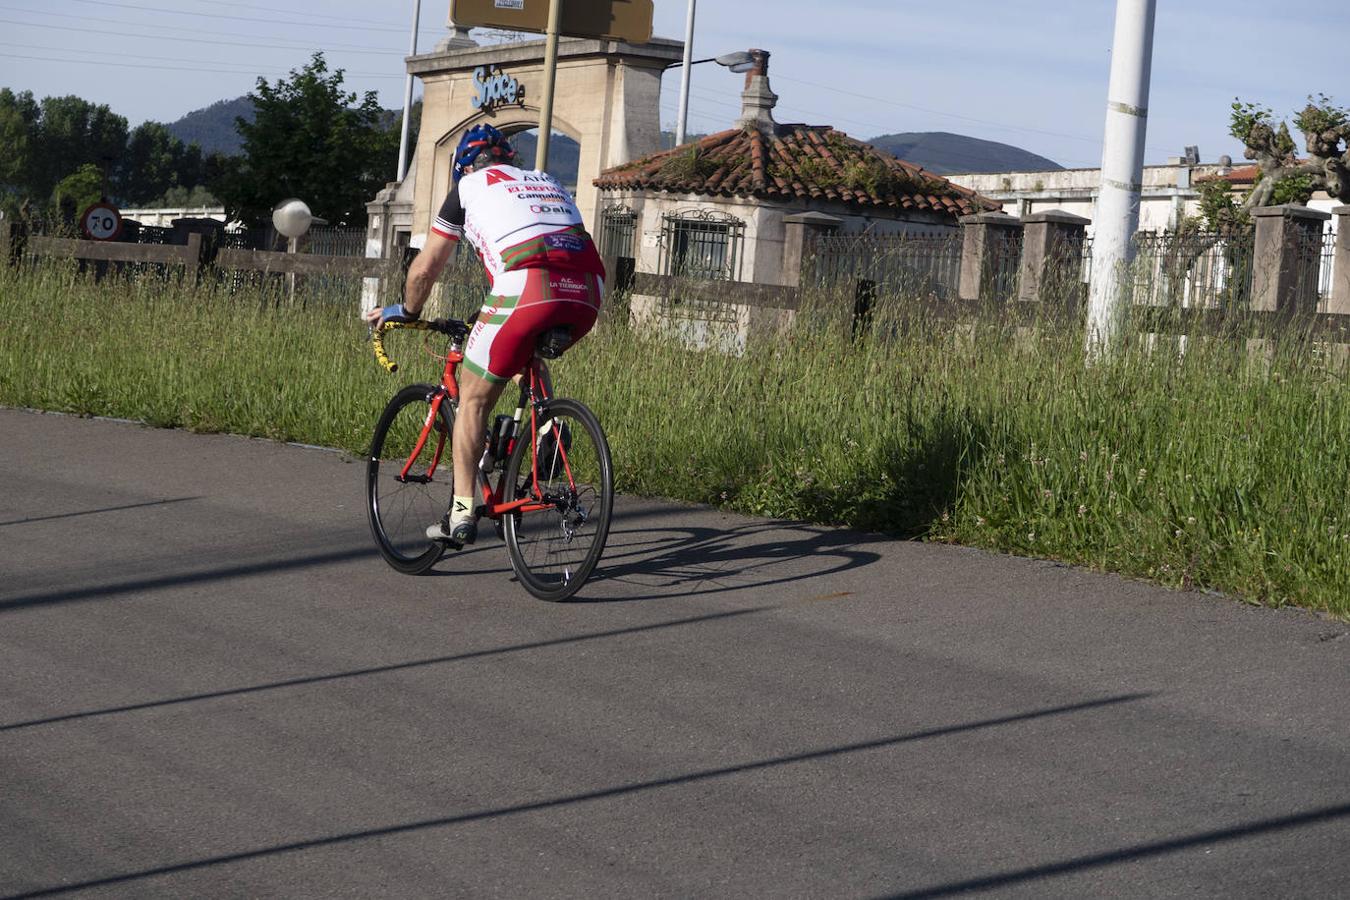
{"x": 518, "y": 220}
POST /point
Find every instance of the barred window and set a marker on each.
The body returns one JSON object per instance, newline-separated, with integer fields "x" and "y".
{"x": 702, "y": 244}
{"x": 618, "y": 229}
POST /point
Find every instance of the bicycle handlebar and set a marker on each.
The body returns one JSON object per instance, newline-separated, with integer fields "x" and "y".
{"x": 452, "y": 328}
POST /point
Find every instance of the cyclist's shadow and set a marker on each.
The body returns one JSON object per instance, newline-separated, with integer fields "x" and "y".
{"x": 682, "y": 560}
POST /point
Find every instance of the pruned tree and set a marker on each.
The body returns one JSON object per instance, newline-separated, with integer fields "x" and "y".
{"x": 1284, "y": 177}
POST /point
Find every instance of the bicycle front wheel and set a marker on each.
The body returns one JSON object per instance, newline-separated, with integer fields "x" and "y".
{"x": 410, "y": 477}
{"x": 564, "y": 468}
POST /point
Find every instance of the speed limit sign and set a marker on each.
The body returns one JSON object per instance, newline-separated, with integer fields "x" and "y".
{"x": 101, "y": 222}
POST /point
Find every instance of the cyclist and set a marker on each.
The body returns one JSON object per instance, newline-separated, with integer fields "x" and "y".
{"x": 544, "y": 271}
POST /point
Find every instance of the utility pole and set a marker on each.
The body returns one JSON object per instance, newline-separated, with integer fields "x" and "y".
{"x": 1117, "y": 213}
{"x": 407, "y": 96}
{"x": 550, "y": 80}
{"x": 684, "y": 76}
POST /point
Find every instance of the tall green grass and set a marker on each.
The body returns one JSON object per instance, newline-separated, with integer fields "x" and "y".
{"x": 1215, "y": 468}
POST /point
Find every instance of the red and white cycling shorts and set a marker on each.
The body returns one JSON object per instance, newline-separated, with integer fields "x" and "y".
{"x": 523, "y": 304}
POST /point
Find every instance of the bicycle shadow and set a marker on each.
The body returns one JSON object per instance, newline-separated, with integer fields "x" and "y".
{"x": 923, "y": 471}
{"x": 686, "y": 560}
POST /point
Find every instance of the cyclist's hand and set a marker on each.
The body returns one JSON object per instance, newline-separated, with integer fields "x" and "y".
{"x": 392, "y": 313}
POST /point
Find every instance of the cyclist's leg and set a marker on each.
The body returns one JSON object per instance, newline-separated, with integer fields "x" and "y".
{"x": 524, "y": 303}
{"x": 477, "y": 396}
{"x": 479, "y": 389}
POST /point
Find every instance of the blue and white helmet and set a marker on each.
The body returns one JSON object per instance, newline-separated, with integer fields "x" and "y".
{"x": 476, "y": 140}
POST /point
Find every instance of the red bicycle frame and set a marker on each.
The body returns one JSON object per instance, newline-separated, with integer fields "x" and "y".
{"x": 535, "y": 391}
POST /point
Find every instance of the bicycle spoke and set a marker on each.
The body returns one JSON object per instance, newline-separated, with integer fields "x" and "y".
{"x": 554, "y": 549}
{"x": 401, "y": 508}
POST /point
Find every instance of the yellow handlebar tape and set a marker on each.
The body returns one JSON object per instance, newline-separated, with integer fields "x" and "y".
{"x": 377, "y": 339}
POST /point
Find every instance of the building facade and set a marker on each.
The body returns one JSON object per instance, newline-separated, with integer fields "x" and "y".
{"x": 1170, "y": 193}
{"x": 721, "y": 207}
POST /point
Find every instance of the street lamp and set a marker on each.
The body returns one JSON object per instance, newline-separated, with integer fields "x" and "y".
{"x": 292, "y": 218}
{"x": 736, "y": 61}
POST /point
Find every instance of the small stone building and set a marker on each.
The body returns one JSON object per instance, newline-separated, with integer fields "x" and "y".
{"x": 722, "y": 207}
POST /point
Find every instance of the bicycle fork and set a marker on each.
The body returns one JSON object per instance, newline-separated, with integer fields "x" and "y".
{"x": 432, "y": 422}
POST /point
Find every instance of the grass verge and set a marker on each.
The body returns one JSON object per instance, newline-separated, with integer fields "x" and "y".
{"x": 1218, "y": 468}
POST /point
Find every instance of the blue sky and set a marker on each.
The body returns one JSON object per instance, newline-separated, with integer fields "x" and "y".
{"x": 1032, "y": 73}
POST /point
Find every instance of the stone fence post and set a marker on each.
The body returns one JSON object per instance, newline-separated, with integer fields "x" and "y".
{"x": 1340, "y": 284}
{"x": 800, "y": 233}
{"x": 1285, "y": 258}
{"x": 1052, "y": 257}
{"x": 990, "y": 243}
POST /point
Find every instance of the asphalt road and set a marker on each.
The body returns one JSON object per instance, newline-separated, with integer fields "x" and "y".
{"x": 213, "y": 687}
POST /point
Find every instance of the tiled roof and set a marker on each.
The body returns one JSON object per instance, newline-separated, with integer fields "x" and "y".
{"x": 795, "y": 162}
{"x": 1240, "y": 175}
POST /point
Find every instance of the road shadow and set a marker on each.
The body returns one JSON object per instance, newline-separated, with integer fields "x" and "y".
{"x": 93, "y": 512}
{"x": 135, "y": 586}
{"x": 624, "y": 790}
{"x": 380, "y": 670}
{"x": 1130, "y": 854}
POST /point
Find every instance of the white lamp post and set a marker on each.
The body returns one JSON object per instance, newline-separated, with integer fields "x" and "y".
{"x": 1117, "y": 212}
{"x": 407, "y": 96}
{"x": 684, "y": 76}
{"x": 292, "y": 218}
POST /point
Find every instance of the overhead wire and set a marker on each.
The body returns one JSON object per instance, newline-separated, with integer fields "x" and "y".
{"x": 1094, "y": 141}
{"x": 123, "y": 65}
{"x": 350, "y": 48}
{"x": 367, "y": 25}
{"x": 270, "y": 21}
{"x": 296, "y": 46}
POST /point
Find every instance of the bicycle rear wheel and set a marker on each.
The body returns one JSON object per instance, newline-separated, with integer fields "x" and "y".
{"x": 554, "y": 550}
{"x": 409, "y": 487}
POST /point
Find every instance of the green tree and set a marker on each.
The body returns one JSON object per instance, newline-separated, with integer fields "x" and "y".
{"x": 149, "y": 166}
{"x": 179, "y": 196}
{"x": 79, "y": 189}
{"x": 71, "y": 133}
{"x": 309, "y": 139}
{"x": 19, "y": 115}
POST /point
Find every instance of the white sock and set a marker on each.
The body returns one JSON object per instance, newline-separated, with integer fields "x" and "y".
{"x": 461, "y": 508}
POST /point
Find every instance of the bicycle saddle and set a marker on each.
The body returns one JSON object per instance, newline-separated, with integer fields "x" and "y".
{"x": 554, "y": 341}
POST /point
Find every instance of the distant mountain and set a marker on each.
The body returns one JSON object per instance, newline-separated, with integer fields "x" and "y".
{"x": 212, "y": 128}
{"x": 564, "y": 155}
{"x": 943, "y": 153}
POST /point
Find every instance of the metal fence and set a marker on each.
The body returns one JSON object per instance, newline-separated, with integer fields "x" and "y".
{"x": 924, "y": 264}
{"x": 1193, "y": 269}
{"x": 1326, "y": 268}
{"x": 336, "y": 240}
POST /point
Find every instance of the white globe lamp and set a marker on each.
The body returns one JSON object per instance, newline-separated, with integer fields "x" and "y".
{"x": 292, "y": 218}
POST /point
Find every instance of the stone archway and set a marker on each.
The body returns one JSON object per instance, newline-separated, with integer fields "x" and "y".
{"x": 606, "y": 97}
{"x": 510, "y": 122}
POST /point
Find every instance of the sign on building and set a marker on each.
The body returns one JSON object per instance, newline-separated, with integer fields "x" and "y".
{"x": 610, "y": 20}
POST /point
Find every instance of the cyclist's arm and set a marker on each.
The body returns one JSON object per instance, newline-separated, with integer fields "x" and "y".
{"x": 424, "y": 271}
